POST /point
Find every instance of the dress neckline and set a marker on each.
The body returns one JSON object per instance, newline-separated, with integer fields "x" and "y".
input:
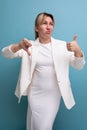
{"x": 45, "y": 44}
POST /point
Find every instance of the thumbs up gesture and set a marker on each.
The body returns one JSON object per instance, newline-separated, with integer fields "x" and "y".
{"x": 73, "y": 46}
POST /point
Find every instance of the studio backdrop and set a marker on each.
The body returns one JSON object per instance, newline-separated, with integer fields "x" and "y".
{"x": 17, "y": 22}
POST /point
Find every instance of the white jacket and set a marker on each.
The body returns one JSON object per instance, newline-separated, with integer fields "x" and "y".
{"x": 62, "y": 59}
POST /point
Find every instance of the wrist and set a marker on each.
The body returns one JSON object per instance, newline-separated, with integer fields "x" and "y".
{"x": 15, "y": 47}
{"x": 78, "y": 53}
{"x": 18, "y": 46}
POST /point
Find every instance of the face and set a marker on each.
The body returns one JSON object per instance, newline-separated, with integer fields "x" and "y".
{"x": 46, "y": 27}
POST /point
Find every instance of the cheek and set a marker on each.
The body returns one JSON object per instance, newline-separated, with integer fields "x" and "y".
{"x": 42, "y": 29}
{"x": 52, "y": 28}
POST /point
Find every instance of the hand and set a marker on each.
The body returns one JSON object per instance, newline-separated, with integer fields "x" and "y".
{"x": 73, "y": 46}
{"x": 25, "y": 44}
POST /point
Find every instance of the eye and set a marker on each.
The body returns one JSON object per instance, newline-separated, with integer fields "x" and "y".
{"x": 44, "y": 22}
{"x": 52, "y": 23}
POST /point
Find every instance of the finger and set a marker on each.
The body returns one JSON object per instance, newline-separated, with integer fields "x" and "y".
{"x": 27, "y": 42}
{"x": 75, "y": 37}
{"x": 26, "y": 46}
{"x": 69, "y": 44}
{"x": 69, "y": 49}
{"x": 27, "y": 50}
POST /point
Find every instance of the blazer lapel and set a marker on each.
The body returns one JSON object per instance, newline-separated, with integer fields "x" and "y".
{"x": 34, "y": 55}
{"x": 55, "y": 51}
{"x": 57, "y": 57}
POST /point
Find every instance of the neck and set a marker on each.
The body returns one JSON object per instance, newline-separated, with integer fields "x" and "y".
{"x": 44, "y": 41}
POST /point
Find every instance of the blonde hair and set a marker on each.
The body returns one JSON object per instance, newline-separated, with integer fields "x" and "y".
{"x": 39, "y": 20}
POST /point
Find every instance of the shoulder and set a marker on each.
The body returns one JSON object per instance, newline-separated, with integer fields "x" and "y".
{"x": 58, "y": 41}
{"x": 35, "y": 42}
{"x": 60, "y": 45}
{"x": 32, "y": 42}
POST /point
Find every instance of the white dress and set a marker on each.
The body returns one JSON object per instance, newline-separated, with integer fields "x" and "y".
{"x": 44, "y": 95}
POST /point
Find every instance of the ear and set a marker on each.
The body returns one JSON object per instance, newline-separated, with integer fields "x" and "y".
{"x": 36, "y": 29}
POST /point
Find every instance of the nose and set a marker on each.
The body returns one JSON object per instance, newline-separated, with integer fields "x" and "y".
{"x": 48, "y": 26}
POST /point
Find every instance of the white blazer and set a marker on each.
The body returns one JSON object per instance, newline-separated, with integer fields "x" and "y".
{"x": 62, "y": 58}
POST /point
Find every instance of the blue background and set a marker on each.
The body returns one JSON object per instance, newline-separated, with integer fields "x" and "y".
{"x": 16, "y": 22}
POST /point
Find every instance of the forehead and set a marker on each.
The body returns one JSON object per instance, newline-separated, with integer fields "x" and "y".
{"x": 43, "y": 18}
{"x": 47, "y": 18}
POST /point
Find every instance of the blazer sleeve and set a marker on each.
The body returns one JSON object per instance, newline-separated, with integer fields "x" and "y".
{"x": 76, "y": 62}
{"x": 6, "y": 52}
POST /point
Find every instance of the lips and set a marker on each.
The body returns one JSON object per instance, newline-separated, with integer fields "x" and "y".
{"x": 48, "y": 32}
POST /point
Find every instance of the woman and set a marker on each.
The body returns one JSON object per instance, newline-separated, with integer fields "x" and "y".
{"x": 44, "y": 74}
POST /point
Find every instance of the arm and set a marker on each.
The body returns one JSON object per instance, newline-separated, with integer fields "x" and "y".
{"x": 24, "y": 44}
{"x": 74, "y": 47}
{"x": 77, "y": 59}
{"x": 15, "y": 50}
{"x": 77, "y": 62}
